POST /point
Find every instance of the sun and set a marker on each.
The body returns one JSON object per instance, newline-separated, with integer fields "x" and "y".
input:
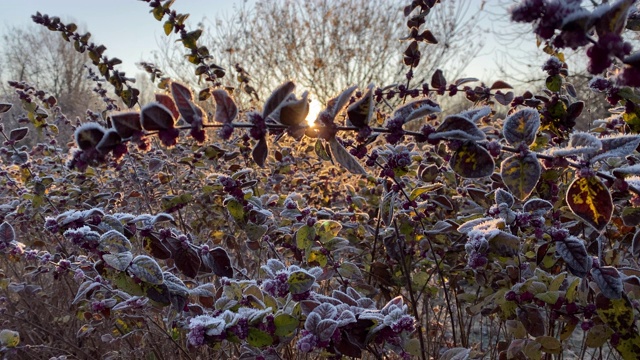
{"x": 314, "y": 109}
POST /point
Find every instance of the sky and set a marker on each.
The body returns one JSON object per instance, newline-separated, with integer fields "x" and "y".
{"x": 111, "y": 21}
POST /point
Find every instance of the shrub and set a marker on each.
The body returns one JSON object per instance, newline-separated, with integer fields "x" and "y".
{"x": 172, "y": 232}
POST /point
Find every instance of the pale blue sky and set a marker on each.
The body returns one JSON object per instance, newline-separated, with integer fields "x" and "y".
{"x": 130, "y": 33}
{"x": 111, "y": 22}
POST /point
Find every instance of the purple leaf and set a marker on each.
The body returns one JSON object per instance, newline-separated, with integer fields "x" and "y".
{"x": 7, "y": 234}
{"x": 521, "y": 127}
{"x": 88, "y": 135}
{"x": 574, "y": 254}
{"x": 156, "y": 117}
{"x": 458, "y": 127}
{"x": 126, "y": 123}
{"x": 360, "y": 112}
{"x": 608, "y": 280}
{"x": 472, "y": 161}
{"x": 226, "y": 109}
{"x": 260, "y": 152}
{"x": 18, "y": 134}
{"x": 277, "y": 97}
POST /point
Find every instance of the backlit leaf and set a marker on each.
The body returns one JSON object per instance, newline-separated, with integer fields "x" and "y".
{"x": 521, "y": 127}
{"x": 321, "y": 151}
{"x": 589, "y": 198}
{"x": 342, "y": 157}
{"x": 183, "y": 98}
{"x": 305, "y": 237}
{"x": 109, "y": 141}
{"x": 126, "y": 123}
{"x": 260, "y": 152}
{"x": 521, "y": 174}
{"x": 226, "y": 109}
{"x": 280, "y": 94}
{"x": 416, "y": 109}
{"x": 617, "y": 146}
{"x": 574, "y": 254}
{"x": 472, "y": 161}
{"x": 335, "y": 105}
{"x": 327, "y": 229}
{"x": 155, "y": 117}
{"x": 360, "y": 112}
{"x": 168, "y": 102}
{"x": 88, "y": 135}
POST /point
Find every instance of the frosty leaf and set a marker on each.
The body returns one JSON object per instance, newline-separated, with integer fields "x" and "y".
{"x": 416, "y": 109}
{"x": 627, "y": 170}
{"x": 175, "y": 285}
{"x": 4, "y": 107}
{"x": 475, "y": 114}
{"x": 504, "y": 197}
{"x": 7, "y": 234}
{"x": 635, "y": 245}
{"x": 119, "y": 261}
{"x": 313, "y": 319}
{"x": 260, "y": 152}
{"x": 280, "y": 94}
{"x": 18, "y": 134}
{"x": 226, "y": 109}
{"x": 126, "y": 123}
{"x": 617, "y": 146}
{"x": 84, "y": 288}
{"x": 335, "y": 105}
{"x": 589, "y": 198}
{"x": 300, "y": 281}
{"x": 608, "y": 280}
{"x": 342, "y": 157}
{"x": 9, "y": 338}
{"x": 114, "y": 242}
{"x": 504, "y": 99}
{"x": 611, "y": 17}
{"x": 458, "y": 127}
{"x": 360, "y": 112}
{"x": 471, "y": 224}
{"x": 456, "y": 354}
{"x": 574, "y": 254}
{"x": 147, "y": 270}
{"x": 156, "y": 117}
{"x": 325, "y": 329}
{"x": 521, "y": 174}
{"x": 326, "y": 311}
{"x": 504, "y": 244}
{"x": 521, "y": 127}
{"x": 537, "y": 206}
{"x": 472, "y": 161}
{"x": 580, "y": 143}
{"x": 88, "y": 135}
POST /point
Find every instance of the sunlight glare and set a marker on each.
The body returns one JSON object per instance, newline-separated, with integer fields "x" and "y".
{"x": 314, "y": 109}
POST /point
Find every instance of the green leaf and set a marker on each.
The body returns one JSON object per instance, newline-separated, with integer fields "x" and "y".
{"x": 472, "y": 161}
{"x": 316, "y": 258}
{"x": 259, "y": 338}
{"x": 300, "y": 281}
{"x": 236, "y": 210}
{"x": 554, "y": 83}
{"x": 590, "y": 199}
{"x": 423, "y": 189}
{"x": 305, "y": 237}
{"x": 321, "y": 151}
{"x": 285, "y": 324}
{"x": 327, "y": 229}
{"x": 521, "y": 174}
{"x": 168, "y": 27}
{"x": 9, "y": 338}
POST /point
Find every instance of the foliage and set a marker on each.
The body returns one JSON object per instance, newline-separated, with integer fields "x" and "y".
{"x": 270, "y": 238}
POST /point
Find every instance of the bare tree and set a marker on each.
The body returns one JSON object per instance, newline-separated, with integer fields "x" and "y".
{"x": 327, "y": 45}
{"x": 45, "y": 60}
